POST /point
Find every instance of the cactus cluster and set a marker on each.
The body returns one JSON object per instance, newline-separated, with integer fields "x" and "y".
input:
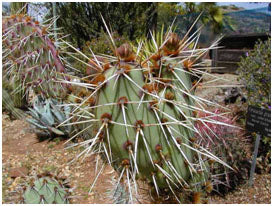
{"x": 233, "y": 153}
{"x": 30, "y": 56}
{"x": 144, "y": 115}
{"x": 138, "y": 108}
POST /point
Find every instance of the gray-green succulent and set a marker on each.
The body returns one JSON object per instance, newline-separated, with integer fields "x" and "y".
{"x": 48, "y": 114}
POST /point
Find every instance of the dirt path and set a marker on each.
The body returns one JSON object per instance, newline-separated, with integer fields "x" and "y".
{"x": 23, "y": 155}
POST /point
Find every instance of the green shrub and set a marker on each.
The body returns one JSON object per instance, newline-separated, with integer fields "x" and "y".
{"x": 100, "y": 45}
{"x": 255, "y": 73}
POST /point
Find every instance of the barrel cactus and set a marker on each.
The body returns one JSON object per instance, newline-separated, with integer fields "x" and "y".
{"x": 145, "y": 112}
{"x": 46, "y": 190}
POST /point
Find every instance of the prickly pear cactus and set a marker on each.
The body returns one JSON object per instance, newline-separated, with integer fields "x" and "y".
{"x": 30, "y": 56}
{"x": 46, "y": 190}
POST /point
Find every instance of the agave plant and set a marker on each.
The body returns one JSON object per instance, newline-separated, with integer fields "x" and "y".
{"x": 145, "y": 116}
{"x": 46, "y": 116}
{"x": 52, "y": 117}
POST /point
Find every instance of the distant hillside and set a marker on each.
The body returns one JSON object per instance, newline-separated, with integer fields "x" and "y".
{"x": 231, "y": 8}
{"x": 238, "y": 21}
{"x": 249, "y": 21}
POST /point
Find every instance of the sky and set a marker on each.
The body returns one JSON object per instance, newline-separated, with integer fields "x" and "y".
{"x": 245, "y": 5}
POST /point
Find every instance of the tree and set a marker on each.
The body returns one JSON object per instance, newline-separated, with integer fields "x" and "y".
{"x": 18, "y": 6}
{"x": 167, "y": 13}
{"x": 83, "y": 20}
{"x": 212, "y": 15}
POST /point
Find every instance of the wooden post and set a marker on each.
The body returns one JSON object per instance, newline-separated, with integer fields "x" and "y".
{"x": 253, "y": 165}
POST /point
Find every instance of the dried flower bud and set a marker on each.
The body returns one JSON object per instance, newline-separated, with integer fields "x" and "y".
{"x": 172, "y": 45}
{"x": 125, "y": 53}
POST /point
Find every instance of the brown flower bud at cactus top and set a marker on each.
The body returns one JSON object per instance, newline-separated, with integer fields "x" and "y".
{"x": 169, "y": 95}
{"x": 150, "y": 87}
{"x": 172, "y": 45}
{"x": 125, "y": 53}
{"x": 156, "y": 57}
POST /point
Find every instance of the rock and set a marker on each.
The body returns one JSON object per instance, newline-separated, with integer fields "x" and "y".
{"x": 63, "y": 178}
{"x": 231, "y": 95}
{"x": 18, "y": 172}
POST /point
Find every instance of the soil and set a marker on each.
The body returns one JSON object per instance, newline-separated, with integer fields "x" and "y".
{"x": 24, "y": 156}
